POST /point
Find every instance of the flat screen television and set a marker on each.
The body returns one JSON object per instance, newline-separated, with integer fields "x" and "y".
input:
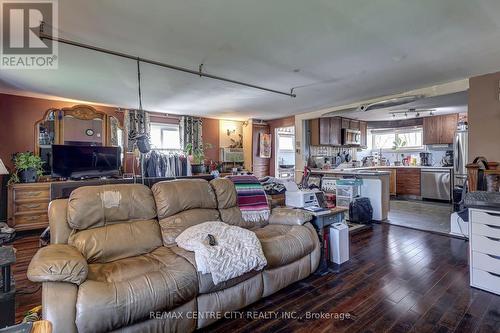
{"x": 78, "y": 162}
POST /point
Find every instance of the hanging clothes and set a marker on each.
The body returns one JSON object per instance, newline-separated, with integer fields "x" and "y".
{"x": 157, "y": 164}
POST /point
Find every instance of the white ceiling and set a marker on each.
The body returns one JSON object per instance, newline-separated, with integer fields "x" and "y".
{"x": 344, "y": 51}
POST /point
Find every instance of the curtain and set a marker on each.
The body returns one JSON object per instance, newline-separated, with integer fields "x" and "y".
{"x": 136, "y": 122}
{"x": 191, "y": 131}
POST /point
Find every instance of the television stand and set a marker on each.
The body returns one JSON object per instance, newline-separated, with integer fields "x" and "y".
{"x": 85, "y": 178}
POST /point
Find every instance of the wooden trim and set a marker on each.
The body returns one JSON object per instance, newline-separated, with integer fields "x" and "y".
{"x": 36, "y": 130}
{"x": 84, "y": 112}
{"x": 472, "y": 174}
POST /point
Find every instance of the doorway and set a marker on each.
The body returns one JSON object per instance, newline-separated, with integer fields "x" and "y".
{"x": 285, "y": 152}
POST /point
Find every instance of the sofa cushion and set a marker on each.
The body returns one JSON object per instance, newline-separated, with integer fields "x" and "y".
{"x": 283, "y": 244}
{"x": 233, "y": 216}
{"x": 205, "y": 282}
{"x": 96, "y": 206}
{"x": 117, "y": 241}
{"x": 176, "y": 196}
{"x": 225, "y": 192}
{"x": 174, "y": 225}
{"x": 124, "y": 292}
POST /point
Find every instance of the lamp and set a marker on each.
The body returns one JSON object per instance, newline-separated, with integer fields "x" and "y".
{"x": 3, "y": 169}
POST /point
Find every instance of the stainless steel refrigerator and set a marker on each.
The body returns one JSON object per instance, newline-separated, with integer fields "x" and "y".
{"x": 460, "y": 157}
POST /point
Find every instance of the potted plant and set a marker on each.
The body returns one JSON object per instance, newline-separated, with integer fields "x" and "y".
{"x": 197, "y": 156}
{"x": 397, "y": 145}
{"x": 28, "y": 167}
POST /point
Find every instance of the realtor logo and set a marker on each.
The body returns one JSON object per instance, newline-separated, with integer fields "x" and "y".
{"x": 22, "y": 47}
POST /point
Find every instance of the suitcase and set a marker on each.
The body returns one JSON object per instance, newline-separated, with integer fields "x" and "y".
{"x": 360, "y": 211}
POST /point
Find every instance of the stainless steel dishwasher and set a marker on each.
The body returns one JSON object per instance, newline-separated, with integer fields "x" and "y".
{"x": 435, "y": 183}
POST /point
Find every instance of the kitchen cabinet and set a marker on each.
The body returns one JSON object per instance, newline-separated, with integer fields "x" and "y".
{"x": 320, "y": 131}
{"x": 326, "y": 131}
{"x": 392, "y": 180}
{"x": 354, "y": 124}
{"x": 335, "y": 131}
{"x": 346, "y": 123}
{"x": 439, "y": 129}
{"x": 408, "y": 181}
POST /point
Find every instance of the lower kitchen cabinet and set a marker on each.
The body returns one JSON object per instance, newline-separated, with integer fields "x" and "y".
{"x": 408, "y": 181}
{"x": 392, "y": 180}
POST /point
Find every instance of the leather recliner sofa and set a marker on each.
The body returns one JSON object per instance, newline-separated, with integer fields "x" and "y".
{"x": 113, "y": 264}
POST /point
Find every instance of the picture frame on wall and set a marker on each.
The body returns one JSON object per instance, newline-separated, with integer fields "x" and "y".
{"x": 265, "y": 145}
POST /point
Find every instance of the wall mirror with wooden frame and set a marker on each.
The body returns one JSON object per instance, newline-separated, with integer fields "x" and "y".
{"x": 80, "y": 125}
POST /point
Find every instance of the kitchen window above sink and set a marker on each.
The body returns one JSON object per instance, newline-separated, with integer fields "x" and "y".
{"x": 407, "y": 138}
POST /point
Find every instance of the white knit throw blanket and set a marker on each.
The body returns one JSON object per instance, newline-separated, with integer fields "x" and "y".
{"x": 237, "y": 251}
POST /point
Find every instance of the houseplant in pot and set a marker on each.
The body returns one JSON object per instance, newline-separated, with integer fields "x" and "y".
{"x": 28, "y": 167}
{"x": 197, "y": 156}
{"x": 398, "y": 144}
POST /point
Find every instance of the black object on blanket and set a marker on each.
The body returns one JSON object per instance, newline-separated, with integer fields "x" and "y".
{"x": 211, "y": 240}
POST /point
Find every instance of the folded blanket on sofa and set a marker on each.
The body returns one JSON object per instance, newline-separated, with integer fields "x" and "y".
{"x": 252, "y": 199}
{"x": 236, "y": 250}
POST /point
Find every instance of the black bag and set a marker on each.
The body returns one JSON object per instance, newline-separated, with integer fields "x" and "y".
{"x": 360, "y": 211}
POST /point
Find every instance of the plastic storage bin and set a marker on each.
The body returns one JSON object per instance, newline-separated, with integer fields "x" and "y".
{"x": 343, "y": 201}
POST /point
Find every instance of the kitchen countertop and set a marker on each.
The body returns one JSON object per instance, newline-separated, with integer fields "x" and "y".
{"x": 401, "y": 167}
{"x": 376, "y": 170}
{"x": 353, "y": 171}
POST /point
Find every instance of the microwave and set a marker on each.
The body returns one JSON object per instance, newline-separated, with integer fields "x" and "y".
{"x": 351, "y": 137}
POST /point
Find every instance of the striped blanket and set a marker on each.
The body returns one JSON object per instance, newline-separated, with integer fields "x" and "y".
{"x": 252, "y": 199}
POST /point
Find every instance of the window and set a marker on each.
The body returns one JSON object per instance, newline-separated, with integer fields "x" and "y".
{"x": 410, "y": 138}
{"x": 285, "y": 142}
{"x": 165, "y": 136}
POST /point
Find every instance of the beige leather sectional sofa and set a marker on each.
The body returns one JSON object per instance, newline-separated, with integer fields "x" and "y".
{"x": 113, "y": 264}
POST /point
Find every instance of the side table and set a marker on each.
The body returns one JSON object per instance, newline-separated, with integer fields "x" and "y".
{"x": 320, "y": 221}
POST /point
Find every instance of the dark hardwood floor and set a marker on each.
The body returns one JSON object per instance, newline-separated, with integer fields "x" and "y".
{"x": 398, "y": 280}
{"x": 28, "y": 294}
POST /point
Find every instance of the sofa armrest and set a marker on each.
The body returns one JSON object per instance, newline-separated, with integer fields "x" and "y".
{"x": 58, "y": 263}
{"x": 289, "y": 216}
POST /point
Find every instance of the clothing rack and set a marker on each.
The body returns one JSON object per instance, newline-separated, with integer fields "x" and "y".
{"x": 172, "y": 164}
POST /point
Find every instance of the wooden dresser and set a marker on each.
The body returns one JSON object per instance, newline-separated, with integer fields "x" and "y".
{"x": 28, "y": 206}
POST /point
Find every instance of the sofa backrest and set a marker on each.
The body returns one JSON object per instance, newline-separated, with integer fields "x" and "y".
{"x": 227, "y": 203}
{"x": 108, "y": 222}
{"x": 183, "y": 203}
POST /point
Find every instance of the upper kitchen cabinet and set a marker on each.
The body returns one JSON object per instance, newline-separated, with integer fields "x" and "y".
{"x": 440, "y": 129}
{"x": 326, "y": 131}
